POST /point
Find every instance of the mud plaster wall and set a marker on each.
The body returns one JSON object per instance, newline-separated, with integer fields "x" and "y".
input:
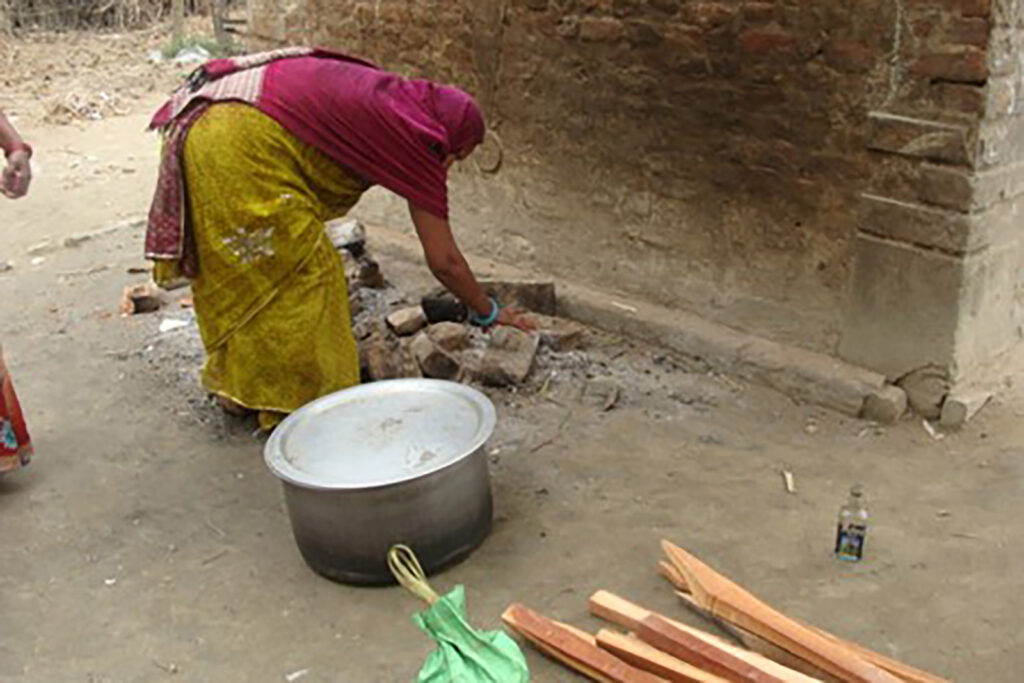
{"x": 700, "y": 154}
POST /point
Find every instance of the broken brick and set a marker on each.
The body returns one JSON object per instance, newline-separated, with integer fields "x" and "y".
{"x": 407, "y": 321}
{"x": 536, "y": 296}
{"x": 434, "y": 361}
{"x": 509, "y": 358}
{"x": 450, "y": 337}
{"x": 144, "y": 298}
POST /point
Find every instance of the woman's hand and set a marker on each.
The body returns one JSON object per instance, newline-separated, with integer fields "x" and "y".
{"x": 17, "y": 175}
{"x": 518, "y": 318}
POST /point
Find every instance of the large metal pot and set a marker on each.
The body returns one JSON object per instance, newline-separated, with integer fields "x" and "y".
{"x": 392, "y": 462}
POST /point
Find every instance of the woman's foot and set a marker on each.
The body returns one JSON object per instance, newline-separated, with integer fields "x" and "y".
{"x": 232, "y": 408}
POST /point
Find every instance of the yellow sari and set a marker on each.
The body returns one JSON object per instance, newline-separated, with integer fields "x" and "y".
{"x": 270, "y": 295}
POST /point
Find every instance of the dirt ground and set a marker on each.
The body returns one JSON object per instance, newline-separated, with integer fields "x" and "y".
{"x": 148, "y": 542}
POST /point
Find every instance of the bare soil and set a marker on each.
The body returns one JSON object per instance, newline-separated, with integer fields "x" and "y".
{"x": 147, "y": 541}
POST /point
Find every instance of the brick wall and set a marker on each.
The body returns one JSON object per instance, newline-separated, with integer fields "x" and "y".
{"x": 715, "y": 155}
{"x": 937, "y": 255}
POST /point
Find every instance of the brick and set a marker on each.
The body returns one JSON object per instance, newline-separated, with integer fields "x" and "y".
{"x": 509, "y": 358}
{"x": 558, "y": 333}
{"x": 961, "y": 406}
{"x": 434, "y": 361}
{"x": 708, "y": 15}
{"x": 758, "y": 12}
{"x": 960, "y": 97}
{"x": 968, "y": 31}
{"x": 970, "y": 192}
{"x": 643, "y": 34}
{"x": 407, "y": 321}
{"x": 964, "y": 65}
{"x": 926, "y": 390}
{"x": 533, "y": 295}
{"x": 768, "y": 42}
{"x": 448, "y": 336}
{"x": 601, "y": 30}
{"x": 950, "y": 231}
{"x": 851, "y": 57}
{"x": 383, "y": 358}
{"x": 919, "y": 138}
{"x": 886, "y": 405}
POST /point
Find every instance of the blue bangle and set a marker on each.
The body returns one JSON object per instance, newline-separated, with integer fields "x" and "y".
{"x": 490, "y": 319}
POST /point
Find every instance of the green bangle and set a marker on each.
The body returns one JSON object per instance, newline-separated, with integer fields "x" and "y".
{"x": 490, "y": 319}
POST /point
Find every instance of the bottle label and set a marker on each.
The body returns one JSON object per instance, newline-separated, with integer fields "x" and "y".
{"x": 850, "y": 541}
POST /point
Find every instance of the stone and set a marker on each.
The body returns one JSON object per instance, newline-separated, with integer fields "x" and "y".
{"x": 434, "y": 361}
{"x": 442, "y": 306}
{"x": 961, "y": 406}
{"x": 348, "y": 234}
{"x": 886, "y": 405}
{"x": 558, "y": 333}
{"x": 450, "y": 337}
{"x": 533, "y": 295}
{"x": 926, "y": 390}
{"x": 369, "y": 274}
{"x": 382, "y": 358}
{"x": 407, "y": 321}
{"x": 509, "y": 358}
{"x": 144, "y": 298}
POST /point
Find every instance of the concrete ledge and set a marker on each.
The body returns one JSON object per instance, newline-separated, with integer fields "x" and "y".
{"x": 804, "y": 375}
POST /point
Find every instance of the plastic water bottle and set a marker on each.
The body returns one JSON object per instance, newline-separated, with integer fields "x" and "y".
{"x": 853, "y": 527}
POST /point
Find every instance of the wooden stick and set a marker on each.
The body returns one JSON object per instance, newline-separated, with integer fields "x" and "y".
{"x": 756, "y": 643}
{"x": 722, "y": 597}
{"x": 612, "y": 608}
{"x": 657, "y": 631}
{"x": 769, "y": 649}
{"x": 634, "y": 651}
{"x": 566, "y": 645}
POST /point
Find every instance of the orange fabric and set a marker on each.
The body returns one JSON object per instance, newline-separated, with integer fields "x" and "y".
{"x": 15, "y": 444}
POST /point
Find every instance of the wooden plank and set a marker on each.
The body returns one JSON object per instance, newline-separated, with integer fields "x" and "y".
{"x": 576, "y": 651}
{"x": 726, "y": 599}
{"x": 657, "y": 631}
{"x": 758, "y": 644}
{"x": 672, "y": 575}
{"x": 634, "y": 651}
{"x": 619, "y": 611}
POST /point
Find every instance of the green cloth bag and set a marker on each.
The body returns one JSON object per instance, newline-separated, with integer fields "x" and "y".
{"x": 464, "y": 655}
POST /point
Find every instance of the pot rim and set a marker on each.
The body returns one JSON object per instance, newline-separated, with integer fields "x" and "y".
{"x": 283, "y": 469}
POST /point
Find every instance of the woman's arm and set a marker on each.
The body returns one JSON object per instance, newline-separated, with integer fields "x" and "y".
{"x": 18, "y": 173}
{"x": 449, "y": 266}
